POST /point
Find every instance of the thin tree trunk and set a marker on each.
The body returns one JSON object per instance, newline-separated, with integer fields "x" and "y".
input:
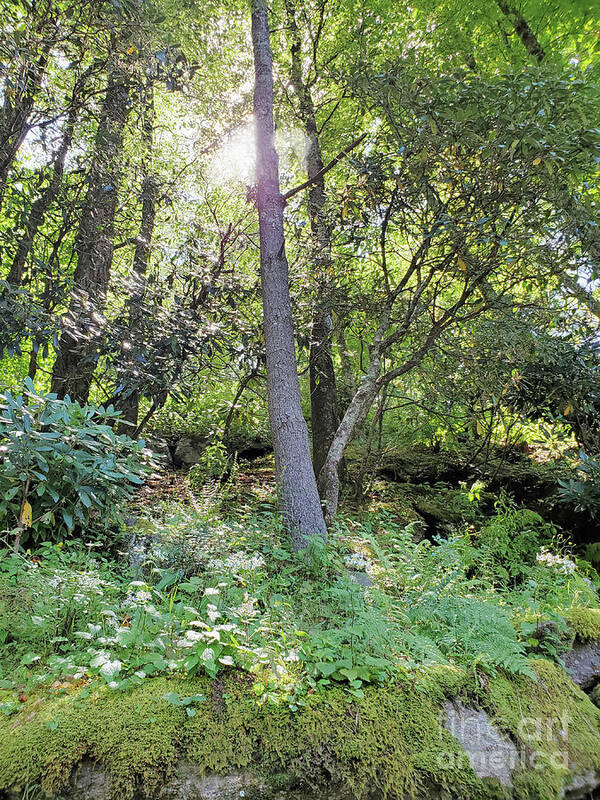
{"x": 77, "y": 352}
{"x": 48, "y": 196}
{"x": 242, "y": 386}
{"x": 129, "y": 405}
{"x": 521, "y": 27}
{"x": 14, "y": 116}
{"x": 323, "y": 390}
{"x": 298, "y": 495}
{"x": 365, "y": 395}
{"x": 355, "y": 416}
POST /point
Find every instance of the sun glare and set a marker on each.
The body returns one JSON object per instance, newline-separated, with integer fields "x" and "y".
{"x": 235, "y": 160}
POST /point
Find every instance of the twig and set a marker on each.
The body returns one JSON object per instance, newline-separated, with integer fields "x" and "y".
{"x": 318, "y": 175}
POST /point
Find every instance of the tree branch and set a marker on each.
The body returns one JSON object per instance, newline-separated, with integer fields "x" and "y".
{"x": 325, "y": 169}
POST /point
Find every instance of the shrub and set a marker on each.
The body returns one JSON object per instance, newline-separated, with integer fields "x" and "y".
{"x": 213, "y": 463}
{"x": 592, "y": 554}
{"x": 584, "y": 493}
{"x": 62, "y": 466}
{"x": 510, "y": 542}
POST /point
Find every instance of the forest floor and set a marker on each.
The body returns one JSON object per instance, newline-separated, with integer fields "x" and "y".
{"x": 202, "y": 579}
{"x": 434, "y": 585}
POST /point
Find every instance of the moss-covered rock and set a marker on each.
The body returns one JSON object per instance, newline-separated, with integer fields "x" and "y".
{"x": 391, "y": 743}
{"x": 424, "y": 465}
{"x": 556, "y": 727}
{"x": 585, "y": 623}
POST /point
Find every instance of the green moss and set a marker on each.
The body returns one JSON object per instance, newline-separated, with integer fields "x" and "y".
{"x": 135, "y": 735}
{"x": 391, "y": 741}
{"x": 555, "y": 724}
{"x": 595, "y": 696}
{"x": 585, "y": 623}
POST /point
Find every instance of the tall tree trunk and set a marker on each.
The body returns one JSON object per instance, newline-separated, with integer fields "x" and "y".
{"x": 17, "y": 108}
{"x": 77, "y": 352}
{"x": 298, "y": 495}
{"x": 129, "y": 404}
{"x": 49, "y": 195}
{"x": 522, "y": 29}
{"x": 323, "y": 390}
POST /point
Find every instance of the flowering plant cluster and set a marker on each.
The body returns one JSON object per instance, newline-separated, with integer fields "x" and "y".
{"x": 358, "y": 562}
{"x": 237, "y": 562}
{"x": 561, "y": 563}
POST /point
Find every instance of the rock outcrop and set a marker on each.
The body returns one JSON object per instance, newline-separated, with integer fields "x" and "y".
{"x": 583, "y": 664}
{"x": 447, "y": 734}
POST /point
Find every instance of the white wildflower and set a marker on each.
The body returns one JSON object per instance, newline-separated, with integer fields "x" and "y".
{"x": 238, "y": 562}
{"x": 561, "y": 563}
{"x": 248, "y": 607}
{"x": 357, "y": 561}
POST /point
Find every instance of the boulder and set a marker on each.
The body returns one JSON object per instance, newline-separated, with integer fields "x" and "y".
{"x": 582, "y": 785}
{"x": 445, "y": 735}
{"x": 490, "y": 753}
{"x": 188, "y": 451}
{"x": 582, "y": 663}
{"x": 89, "y": 782}
{"x": 362, "y": 578}
{"x": 493, "y": 755}
{"x": 189, "y": 782}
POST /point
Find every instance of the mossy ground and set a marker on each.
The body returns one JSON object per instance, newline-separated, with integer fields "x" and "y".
{"x": 584, "y": 622}
{"x": 391, "y": 742}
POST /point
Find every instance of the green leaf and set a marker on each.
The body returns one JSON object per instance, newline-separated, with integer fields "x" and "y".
{"x": 172, "y": 698}
{"x": 326, "y": 668}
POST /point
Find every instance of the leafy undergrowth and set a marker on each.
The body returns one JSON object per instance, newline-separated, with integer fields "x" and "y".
{"x": 196, "y": 591}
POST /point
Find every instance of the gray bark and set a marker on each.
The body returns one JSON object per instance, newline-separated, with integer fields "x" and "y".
{"x": 298, "y": 496}
{"x": 323, "y": 390}
{"x": 522, "y": 29}
{"x": 77, "y": 352}
{"x": 129, "y": 404}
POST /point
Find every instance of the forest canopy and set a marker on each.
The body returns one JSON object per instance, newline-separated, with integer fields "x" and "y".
{"x": 299, "y": 397}
{"x": 436, "y": 197}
